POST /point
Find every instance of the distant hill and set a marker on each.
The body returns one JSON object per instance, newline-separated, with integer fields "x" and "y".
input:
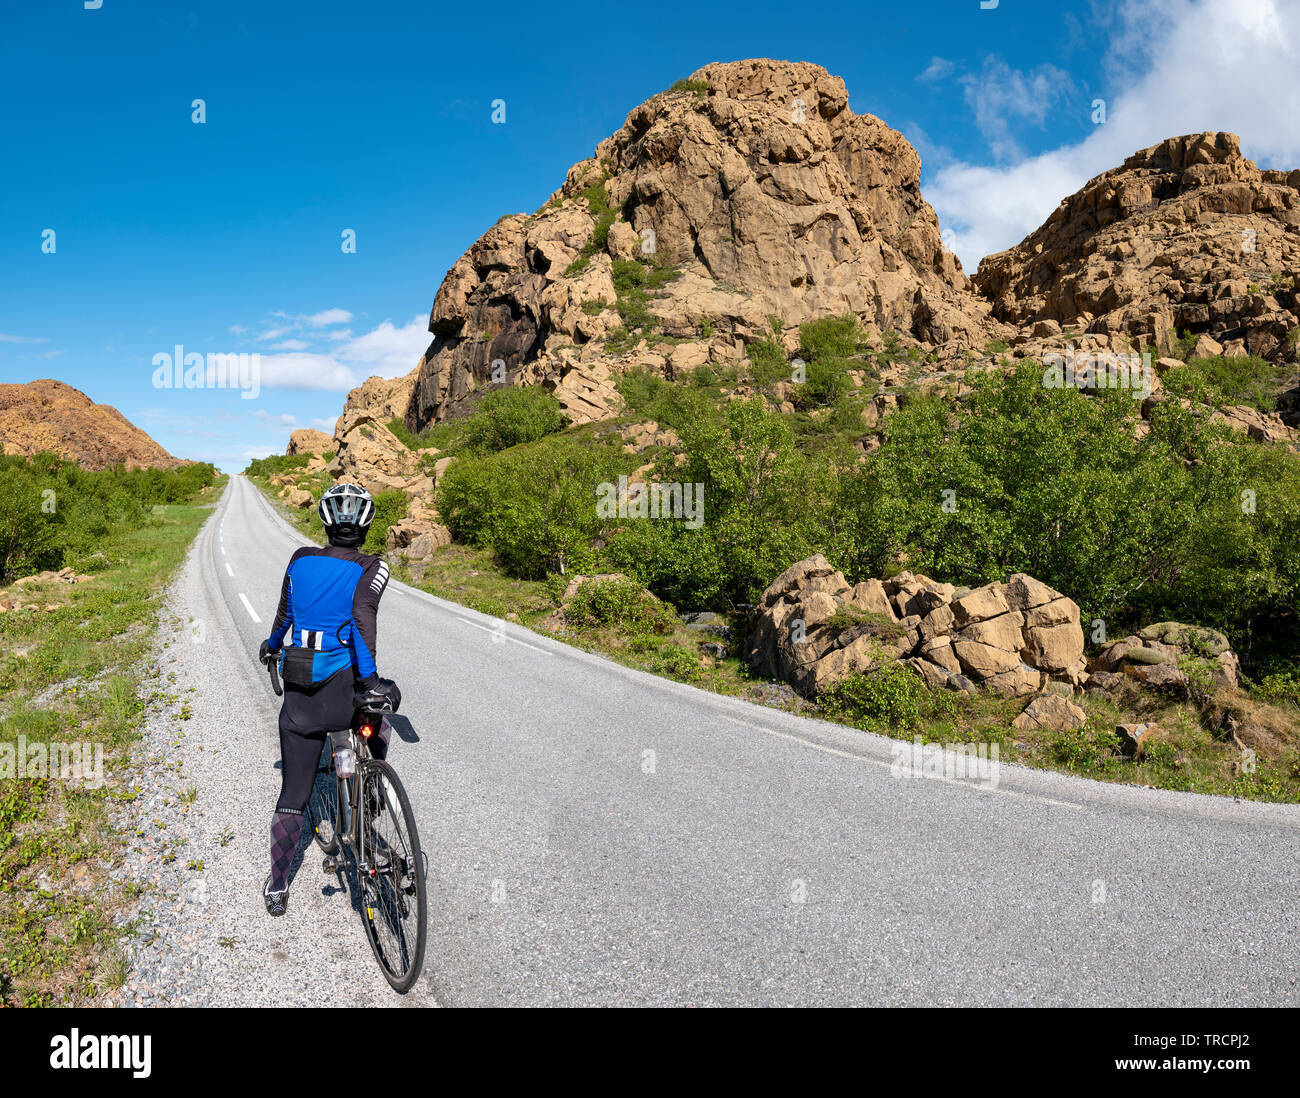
{"x": 49, "y": 415}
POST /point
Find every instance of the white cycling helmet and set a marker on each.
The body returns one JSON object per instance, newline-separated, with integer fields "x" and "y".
{"x": 347, "y": 511}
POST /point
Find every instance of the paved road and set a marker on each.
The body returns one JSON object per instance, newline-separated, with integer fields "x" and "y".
{"x": 600, "y": 836}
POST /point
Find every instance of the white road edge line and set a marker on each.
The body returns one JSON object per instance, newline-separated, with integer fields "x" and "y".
{"x": 502, "y": 635}
{"x": 249, "y": 607}
{"x": 889, "y": 766}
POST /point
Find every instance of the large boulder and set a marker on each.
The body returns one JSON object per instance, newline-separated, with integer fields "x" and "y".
{"x": 307, "y": 441}
{"x": 811, "y": 628}
{"x": 1157, "y": 655}
{"x": 1050, "y": 712}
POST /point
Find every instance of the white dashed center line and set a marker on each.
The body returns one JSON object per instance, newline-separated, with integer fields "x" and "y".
{"x": 249, "y": 607}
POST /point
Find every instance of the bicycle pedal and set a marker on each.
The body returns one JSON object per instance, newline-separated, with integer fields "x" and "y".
{"x": 329, "y": 865}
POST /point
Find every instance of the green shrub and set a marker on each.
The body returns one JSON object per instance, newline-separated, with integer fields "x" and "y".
{"x": 830, "y": 337}
{"x": 1226, "y": 380}
{"x": 276, "y": 464}
{"x": 408, "y": 438}
{"x": 53, "y": 512}
{"x": 763, "y": 507}
{"x": 512, "y": 416}
{"x": 619, "y": 602}
{"x": 890, "y": 698}
{"x": 390, "y": 507}
{"x": 1055, "y": 483}
{"x": 827, "y": 344}
{"x": 696, "y": 87}
{"x": 534, "y": 504}
{"x": 767, "y": 361}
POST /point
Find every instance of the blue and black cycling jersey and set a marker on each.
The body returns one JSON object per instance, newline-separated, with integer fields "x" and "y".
{"x": 328, "y": 603}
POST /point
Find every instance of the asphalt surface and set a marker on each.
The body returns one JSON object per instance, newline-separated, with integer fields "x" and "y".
{"x": 600, "y": 836}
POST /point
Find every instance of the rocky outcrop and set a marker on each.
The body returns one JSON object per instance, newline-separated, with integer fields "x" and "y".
{"x": 757, "y": 186}
{"x": 370, "y": 454}
{"x": 47, "y": 415}
{"x": 1157, "y": 657}
{"x": 307, "y": 441}
{"x": 811, "y": 628}
{"x": 1187, "y": 235}
{"x": 386, "y": 399}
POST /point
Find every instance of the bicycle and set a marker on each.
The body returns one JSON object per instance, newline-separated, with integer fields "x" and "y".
{"x": 365, "y": 813}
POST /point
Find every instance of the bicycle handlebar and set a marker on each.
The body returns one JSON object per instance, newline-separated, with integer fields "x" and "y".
{"x": 271, "y": 666}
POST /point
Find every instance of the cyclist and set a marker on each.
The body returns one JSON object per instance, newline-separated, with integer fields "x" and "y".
{"x": 328, "y": 603}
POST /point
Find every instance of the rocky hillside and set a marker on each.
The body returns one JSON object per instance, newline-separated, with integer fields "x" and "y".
{"x": 49, "y": 415}
{"x": 1187, "y": 235}
{"x": 749, "y": 191}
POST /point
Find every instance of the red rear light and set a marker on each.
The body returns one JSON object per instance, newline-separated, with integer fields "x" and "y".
{"x": 367, "y": 731}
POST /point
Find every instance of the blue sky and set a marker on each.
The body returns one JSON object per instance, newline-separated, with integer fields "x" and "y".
{"x": 225, "y": 236}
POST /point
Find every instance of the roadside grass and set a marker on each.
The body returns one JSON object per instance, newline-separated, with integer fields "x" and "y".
{"x": 1185, "y": 755}
{"x": 77, "y": 675}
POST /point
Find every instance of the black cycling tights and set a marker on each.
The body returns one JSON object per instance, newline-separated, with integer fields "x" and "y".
{"x": 306, "y": 719}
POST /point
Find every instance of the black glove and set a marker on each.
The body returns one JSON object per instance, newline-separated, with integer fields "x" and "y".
{"x": 267, "y": 653}
{"x": 374, "y": 689}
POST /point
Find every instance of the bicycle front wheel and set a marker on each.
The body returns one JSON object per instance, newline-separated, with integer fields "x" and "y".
{"x": 392, "y": 872}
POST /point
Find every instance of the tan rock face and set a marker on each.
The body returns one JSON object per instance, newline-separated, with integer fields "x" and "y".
{"x": 767, "y": 193}
{"x": 1185, "y": 235}
{"x": 812, "y": 628}
{"x": 307, "y": 441}
{"x": 49, "y": 415}
{"x": 370, "y": 454}
{"x": 384, "y": 398}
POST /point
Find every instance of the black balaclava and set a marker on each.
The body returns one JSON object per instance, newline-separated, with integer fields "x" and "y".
{"x": 347, "y": 535}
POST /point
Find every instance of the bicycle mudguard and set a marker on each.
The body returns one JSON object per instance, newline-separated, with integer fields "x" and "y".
{"x": 400, "y": 724}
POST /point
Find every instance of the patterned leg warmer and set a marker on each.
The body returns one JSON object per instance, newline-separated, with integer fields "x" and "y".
{"x": 286, "y": 829}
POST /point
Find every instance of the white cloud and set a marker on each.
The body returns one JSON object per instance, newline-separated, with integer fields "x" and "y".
{"x": 329, "y": 316}
{"x": 386, "y": 350}
{"x": 937, "y": 69}
{"x": 303, "y": 371}
{"x": 22, "y": 339}
{"x": 284, "y": 420}
{"x": 291, "y": 345}
{"x": 1178, "y": 66}
{"x": 325, "y": 424}
{"x": 1000, "y": 96}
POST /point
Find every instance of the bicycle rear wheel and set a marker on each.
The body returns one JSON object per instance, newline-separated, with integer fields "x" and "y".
{"x": 322, "y": 809}
{"x": 392, "y": 872}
